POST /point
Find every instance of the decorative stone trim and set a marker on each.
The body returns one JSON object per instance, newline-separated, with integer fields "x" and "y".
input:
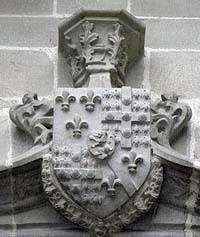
{"x": 128, "y": 213}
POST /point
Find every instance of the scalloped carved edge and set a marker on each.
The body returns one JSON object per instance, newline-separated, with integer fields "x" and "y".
{"x": 130, "y": 212}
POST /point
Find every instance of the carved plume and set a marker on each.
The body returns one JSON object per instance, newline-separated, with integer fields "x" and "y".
{"x": 34, "y": 117}
{"x": 91, "y": 56}
{"x": 168, "y": 118}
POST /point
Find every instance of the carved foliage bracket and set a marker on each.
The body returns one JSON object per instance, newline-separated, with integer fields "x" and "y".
{"x": 34, "y": 117}
{"x": 101, "y": 41}
{"x": 168, "y": 118}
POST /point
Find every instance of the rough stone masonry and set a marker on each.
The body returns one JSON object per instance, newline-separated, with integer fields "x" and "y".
{"x": 29, "y": 61}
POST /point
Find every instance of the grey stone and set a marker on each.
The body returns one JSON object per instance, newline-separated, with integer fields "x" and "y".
{"x": 21, "y": 142}
{"x": 6, "y": 208}
{"x": 137, "y": 73}
{"x": 50, "y": 231}
{"x": 170, "y": 8}
{"x": 172, "y": 216}
{"x": 155, "y": 217}
{"x": 28, "y": 7}
{"x": 70, "y": 6}
{"x": 64, "y": 72}
{"x": 5, "y": 141}
{"x": 40, "y": 215}
{"x": 109, "y": 45}
{"x": 28, "y": 31}
{"x": 6, "y": 233}
{"x": 23, "y": 71}
{"x": 175, "y": 34}
{"x": 37, "y": 124}
{"x": 175, "y": 72}
{"x": 6, "y": 219}
{"x": 182, "y": 142}
{"x": 21, "y": 192}
{"x": 8, "y": 102}
{"x": 196, "y": 151}
{"x": 153, "y": 233}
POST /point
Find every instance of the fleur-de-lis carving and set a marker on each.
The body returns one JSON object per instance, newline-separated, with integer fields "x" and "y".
{"x": 132, "y": 160}
{"x": 77, "y": 124}
{"x": 111, "y": 185}
{"x": 90, "y": 100}
{"x": 65, "y": 99}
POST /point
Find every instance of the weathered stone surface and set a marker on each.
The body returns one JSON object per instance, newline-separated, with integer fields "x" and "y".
{"x": 196, "y": 151}
{"x": 6, "y": 233}
{"x": 170, "y": 8}
{"x": 109, "y": 45}
{"x": 4, "y": 137}
{"x": 28, "y": 31}
{"x": 176, "y": 34}
{"x": 21, "y": 141}
{"x": 182, "y": 143}
{"x": 28, "y": 7}
{"x": 8, "y": 102}
{"x": 70, "y": 6}
{"x": 6, "y": 207}
{"x": 175, "y": 72}
{"x": 176, "y": 178}
{"x": 162, "y": 220}
{"x": 50, "y": 231}
{"x": 173, "y": 217}
{"x": 137, "y": 74}
{"x": 5, "y": 220}
{"x": 64, "y": 72}
{"x": 23, "y": 71}
{"x": 40, "y": 215}
{"x": 176, "y": 233}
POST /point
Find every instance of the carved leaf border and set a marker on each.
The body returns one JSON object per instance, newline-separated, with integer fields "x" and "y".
{"x": 129, "y": 212}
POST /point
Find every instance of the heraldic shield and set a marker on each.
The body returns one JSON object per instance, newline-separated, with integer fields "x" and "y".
{"x": 100, "y": 171}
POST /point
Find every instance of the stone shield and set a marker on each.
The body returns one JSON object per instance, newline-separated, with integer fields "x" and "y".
{"x": 100, "y": 166}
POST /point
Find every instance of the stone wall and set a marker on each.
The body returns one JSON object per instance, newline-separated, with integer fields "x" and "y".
{"x": 29, "y": 60}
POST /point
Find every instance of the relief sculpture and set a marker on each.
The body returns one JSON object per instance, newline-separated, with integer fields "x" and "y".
{"x": 103, "y": 168}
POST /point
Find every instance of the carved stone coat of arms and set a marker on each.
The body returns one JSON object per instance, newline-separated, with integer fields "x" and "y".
{"x": 102, "y": 168}
{"x": 100, "y": 172}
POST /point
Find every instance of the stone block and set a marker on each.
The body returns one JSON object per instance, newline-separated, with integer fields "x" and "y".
{"x": 6, "y": 208}
{"x": 6, "y": 233}
{"x": 137, "y": 73}
{"x": 160, "y": 233}
{"x": 170, "y": 8}
{"x": 70, "y": 6}
{"x": 173, "y": 34}
{"x": 196, "y": 150}
{"x": 182, "y": 142}
{"x": 21, "y": 142}
{"x": 41, "y": 215}
{"x": 23, "y": 71}
{"x": 49, "y": 231}
{"x": 7, "y": 103}
{"x": 175, "y": 72}
{"x": 64, "y": 72}
{"x": 28, "y": 31}
{"x": 26, "y": 7}
{"x": 4, "y": 137}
